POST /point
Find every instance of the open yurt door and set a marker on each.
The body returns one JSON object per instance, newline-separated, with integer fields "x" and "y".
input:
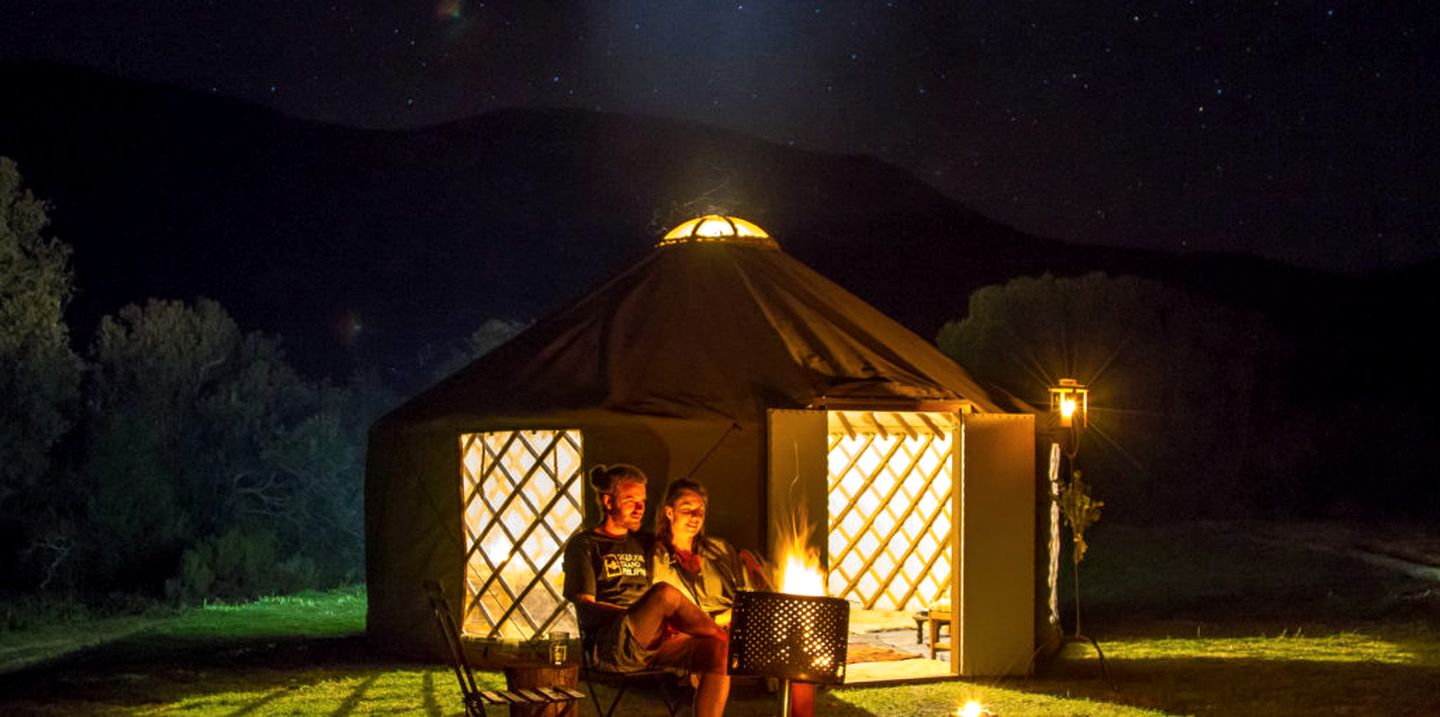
{"x": 912, "y": 509}
{"x": 995, "y": 624}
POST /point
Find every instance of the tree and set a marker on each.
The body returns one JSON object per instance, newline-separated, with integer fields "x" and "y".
{"x": 159, "y": 374}
{"x": 1182, "y": 390}
{"x": 489, "y": 336}
{"x": 213, "y": 466}
{"x": 39, "y": 373}
{"x": 205, "y": 443}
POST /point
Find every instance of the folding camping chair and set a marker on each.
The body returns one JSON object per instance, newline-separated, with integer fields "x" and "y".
{"x": 475, "y": 698}
{"x": 758, "y": 575}
{"x": 621, "y": 682}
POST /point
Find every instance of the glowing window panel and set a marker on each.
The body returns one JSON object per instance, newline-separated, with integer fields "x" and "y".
{"x": 521, "y": 492}
{"x": 717, "y": 228}
{"x": 891, "y": 477}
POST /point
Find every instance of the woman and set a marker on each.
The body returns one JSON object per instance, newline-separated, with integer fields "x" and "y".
{"x": 703, "y": 567}
{"x": 626, "y": 623}
{"x": 708, "y": 569}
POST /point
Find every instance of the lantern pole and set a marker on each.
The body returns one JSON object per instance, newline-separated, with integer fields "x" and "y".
{"x": 1070, "y": 405}
{"x": 1067, "y": 399}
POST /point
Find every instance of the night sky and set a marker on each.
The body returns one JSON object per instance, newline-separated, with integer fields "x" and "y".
{"x": 1297, "y": 130}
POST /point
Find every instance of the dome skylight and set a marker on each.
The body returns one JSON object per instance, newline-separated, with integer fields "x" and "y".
{"x": 714, "y": 228}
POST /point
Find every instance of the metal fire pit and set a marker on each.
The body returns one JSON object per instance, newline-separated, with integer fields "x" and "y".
{"x": 792, "y": 637}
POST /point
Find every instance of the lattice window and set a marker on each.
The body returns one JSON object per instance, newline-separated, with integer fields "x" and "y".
{"x": 891, "y": 477}
{"x": 522, "y": 498}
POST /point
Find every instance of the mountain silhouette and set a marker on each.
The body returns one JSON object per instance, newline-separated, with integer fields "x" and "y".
{"x": 381, "y": 248}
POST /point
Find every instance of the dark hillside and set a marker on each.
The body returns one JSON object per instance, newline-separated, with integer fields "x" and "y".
{"x": 416, "y": 237}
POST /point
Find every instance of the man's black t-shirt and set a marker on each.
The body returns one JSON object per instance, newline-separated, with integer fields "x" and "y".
{"x": 614, "y": 570}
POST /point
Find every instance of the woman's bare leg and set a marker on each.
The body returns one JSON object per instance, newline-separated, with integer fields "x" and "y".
{"x": 711, "y": 695}
{"x": 705, "y": 658}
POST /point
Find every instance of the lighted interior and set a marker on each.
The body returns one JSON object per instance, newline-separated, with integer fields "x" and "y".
{"x": 891, "y": 480}
{"x": 522, "y": 499}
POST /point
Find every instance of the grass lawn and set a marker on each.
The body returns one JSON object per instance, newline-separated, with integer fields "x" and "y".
{"x": 1194, "y": 619}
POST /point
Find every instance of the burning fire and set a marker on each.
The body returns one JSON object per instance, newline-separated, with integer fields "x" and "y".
{"x": 797, "y": 563}
{"x": 797, "y": 568}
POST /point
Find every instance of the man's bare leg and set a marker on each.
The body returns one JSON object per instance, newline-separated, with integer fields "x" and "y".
{"x": 662, "y": 604}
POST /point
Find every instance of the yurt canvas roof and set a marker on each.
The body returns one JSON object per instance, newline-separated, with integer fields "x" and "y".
{"x": 703, "y": 329}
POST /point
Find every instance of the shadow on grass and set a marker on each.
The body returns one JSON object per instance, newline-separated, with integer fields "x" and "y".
{"x": 344, "y": 676}
{"x": 427, "y": 693}
{"x": 253, "y": 676}
{"x": 754, "y": 699}
{"x": 152, "y": 668}
{"x": 1209, "y": 685}
{"x": 826, "y": 704}
{"x": 256, "y": 705}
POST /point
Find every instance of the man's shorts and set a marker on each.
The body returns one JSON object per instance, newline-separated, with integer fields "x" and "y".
{"x": 615, "y": 648}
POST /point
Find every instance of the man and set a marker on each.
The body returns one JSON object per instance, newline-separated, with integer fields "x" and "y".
{"x": 623, "y": 618}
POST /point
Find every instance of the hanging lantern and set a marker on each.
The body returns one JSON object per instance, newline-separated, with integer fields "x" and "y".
{"x": 1070, "y": 401}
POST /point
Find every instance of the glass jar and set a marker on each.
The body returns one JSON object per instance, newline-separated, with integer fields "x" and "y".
{"x": 559, "y": 647}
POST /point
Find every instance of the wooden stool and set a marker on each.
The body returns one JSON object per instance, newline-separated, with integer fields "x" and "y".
{"x": 938, "y": 619}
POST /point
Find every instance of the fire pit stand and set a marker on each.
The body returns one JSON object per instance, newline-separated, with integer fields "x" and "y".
{"x": 791, "y": 637}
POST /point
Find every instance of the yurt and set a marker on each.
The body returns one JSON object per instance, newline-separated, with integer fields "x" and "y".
{"x": 717, "y": 357}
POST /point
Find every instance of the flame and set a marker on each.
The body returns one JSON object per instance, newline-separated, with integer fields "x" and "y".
{"x": 971, "y": 709}
{"x": 801, "y": 575}
{"x": 1067, "y": 408}
{"x": 798, "y": 564}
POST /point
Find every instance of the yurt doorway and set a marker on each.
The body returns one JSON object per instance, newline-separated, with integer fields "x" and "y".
{"x": 877, "y": 489}
{"x": 890, "y": 478}
{"x": 910, "y": 511}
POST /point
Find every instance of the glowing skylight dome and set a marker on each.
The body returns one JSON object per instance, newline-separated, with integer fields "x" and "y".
{"x": 716, "y": 228}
